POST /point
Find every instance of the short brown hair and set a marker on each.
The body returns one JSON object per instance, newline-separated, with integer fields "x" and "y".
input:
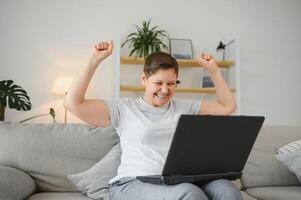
{"x": 159, "y": 60}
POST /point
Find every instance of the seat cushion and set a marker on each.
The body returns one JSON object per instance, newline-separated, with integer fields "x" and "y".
{"x": 246, "y": 196}
{"x": 58, "y": 196}
{"x": 276, "y": 193}
{"x": 262, "y": 168}
{"x": 50, "y": 152}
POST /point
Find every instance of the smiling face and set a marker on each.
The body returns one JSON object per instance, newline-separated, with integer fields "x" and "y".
{"x": 159, "y": 87}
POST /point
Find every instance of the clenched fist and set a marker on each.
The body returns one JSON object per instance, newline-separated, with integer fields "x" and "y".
{"x": 102, "y": 50}
{"x": 207, "y": 61}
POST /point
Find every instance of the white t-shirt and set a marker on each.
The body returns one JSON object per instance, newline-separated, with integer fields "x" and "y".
{"x": 145, "y": 133}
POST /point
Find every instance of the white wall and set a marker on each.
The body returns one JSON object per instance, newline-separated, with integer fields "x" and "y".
{"x": 41, "y": 40}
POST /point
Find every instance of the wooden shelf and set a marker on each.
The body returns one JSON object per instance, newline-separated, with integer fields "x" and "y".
{"x": 181, "y": 62}
{"x": 183, "y": 89}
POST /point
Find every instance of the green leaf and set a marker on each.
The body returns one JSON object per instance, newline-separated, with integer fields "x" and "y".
{"x": 14, "y": 96}
{"x": 146, "y": 39}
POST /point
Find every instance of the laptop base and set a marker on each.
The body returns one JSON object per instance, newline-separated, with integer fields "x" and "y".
{"x": 175, "y": 179}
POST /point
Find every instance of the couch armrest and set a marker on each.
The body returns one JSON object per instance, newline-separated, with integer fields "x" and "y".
{"x": 15, "y": 184}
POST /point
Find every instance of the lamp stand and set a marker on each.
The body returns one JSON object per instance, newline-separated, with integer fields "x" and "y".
{"x": 65, "y": 116}
{"x": 65, "y": 120}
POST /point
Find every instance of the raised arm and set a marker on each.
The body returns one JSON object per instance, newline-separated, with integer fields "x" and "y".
{"x": 225, "y": 102}
{"x": 92, "y": 111}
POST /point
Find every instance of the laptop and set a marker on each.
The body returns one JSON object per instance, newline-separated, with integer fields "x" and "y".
{"x": 208, "y": 147}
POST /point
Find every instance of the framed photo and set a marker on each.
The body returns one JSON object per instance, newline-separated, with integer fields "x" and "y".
{"x": 180, "y": 48}
{"x": 206, "y": 80}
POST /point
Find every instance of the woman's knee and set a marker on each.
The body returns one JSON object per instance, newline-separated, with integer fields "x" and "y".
{"x": 222, "y": 189}
{"x": 188, "y": 191}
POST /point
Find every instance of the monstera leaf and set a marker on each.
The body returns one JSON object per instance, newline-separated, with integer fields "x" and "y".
{"x": 13, "y": 96}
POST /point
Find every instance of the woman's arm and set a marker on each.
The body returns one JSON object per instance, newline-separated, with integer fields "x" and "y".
{"x": 95, "y": 112}
{"x": 225, "y": 102}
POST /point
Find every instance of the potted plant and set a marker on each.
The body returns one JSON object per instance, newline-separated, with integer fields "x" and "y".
{"x": 13, "y": 96}
{"x": 146, "y": 40}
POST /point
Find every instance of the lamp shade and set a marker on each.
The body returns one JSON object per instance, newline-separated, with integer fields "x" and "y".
{"x": 221, "y": 47}
{"x": 61, "y": 85}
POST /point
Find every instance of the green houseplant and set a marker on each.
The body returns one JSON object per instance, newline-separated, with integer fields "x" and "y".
{"x": 12, "y": 96}
{"x": 146, "y": 40}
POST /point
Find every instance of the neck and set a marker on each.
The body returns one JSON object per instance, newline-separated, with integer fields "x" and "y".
{"x": 144, "y": 98}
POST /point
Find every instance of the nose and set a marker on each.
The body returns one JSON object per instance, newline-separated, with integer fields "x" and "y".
{"x": 164, "y": 89}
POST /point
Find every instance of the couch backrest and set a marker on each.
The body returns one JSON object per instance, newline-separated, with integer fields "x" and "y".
{"x": 50, "y": 152}
{"x": 262, "y": 168}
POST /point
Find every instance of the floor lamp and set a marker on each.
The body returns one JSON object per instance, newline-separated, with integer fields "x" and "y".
{"x": 60, "y": 88}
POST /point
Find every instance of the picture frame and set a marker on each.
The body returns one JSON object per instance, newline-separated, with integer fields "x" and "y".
{"x": 207, "y": 82}
{"x": 180, "y": 48}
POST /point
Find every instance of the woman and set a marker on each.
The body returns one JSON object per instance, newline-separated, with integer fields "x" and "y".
{"x": 146, "y": 125}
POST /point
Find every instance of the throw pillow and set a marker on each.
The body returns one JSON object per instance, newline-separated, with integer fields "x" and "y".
{"x": 290, "y": 156}
{"x": 94, "y": 181}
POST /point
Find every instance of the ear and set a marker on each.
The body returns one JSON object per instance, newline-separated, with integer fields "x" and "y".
{"x": 143, "y": 78}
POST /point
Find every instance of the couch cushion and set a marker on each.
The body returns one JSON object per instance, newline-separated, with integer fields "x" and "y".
{"x": 246, "y": 196}
{"x": 290, "y": 156}
{"x": 94, "y": 182}
{"x": 15, "y": 184}
{"x": 276, "y": 193}
{"x": 262, "y": 168}
{"x": 290, "y": 147}
{"x": 50, "y": 152}
{"x": 58, "y": 196}
{"x": 293, "y": 162}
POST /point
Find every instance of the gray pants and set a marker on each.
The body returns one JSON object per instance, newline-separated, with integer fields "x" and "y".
{"x": 133, "y": 189}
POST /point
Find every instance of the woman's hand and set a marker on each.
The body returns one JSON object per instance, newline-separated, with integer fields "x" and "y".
{"x": 207, "y": 61}
{"x": 102, "y": 50}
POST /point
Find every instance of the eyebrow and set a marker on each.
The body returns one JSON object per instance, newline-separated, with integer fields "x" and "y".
{"x": 175, "y": 81}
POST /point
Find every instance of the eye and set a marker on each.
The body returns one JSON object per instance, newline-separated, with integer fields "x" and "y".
{"x": 171, "y": 84}
{"x": 158, "y": 83}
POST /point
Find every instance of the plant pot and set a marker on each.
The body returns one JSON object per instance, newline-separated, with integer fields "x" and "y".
{"x": 2, "y": 110}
